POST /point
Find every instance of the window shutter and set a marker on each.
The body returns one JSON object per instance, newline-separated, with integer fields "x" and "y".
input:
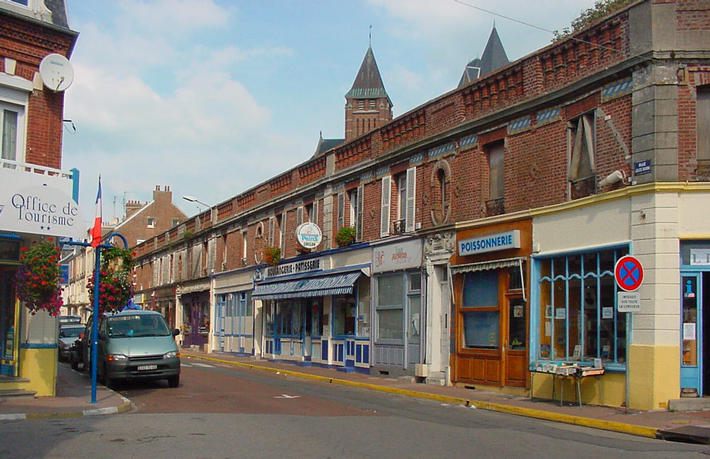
{"x": 411, "y": 198}
{"x": 315, "y": 212}
{"x": 358, "y": 217}
{"x": 589, "y": 138}
{"x": 583, "y": 145}
{"x": 299, "y": 215}
{"x": 282, "y": 233}
{"x": 271, "y": 230}
{"x": 341, "y": 210}
{"x": 385, "y": 209}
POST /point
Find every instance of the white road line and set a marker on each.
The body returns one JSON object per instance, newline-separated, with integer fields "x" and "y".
{"x": 204, "y": 365}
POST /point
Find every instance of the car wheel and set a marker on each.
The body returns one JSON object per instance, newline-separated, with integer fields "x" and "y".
{"x": 174, "y": 381}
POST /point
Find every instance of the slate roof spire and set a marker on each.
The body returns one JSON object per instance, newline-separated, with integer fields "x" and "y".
{"x": 494, "y": 57}
{"x": 368, "y": 82}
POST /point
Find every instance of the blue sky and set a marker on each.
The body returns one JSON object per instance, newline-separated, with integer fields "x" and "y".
{"x": 213, "y": 97}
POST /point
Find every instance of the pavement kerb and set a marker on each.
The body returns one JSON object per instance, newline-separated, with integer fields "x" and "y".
{"x": 631, "y": 429}
{"x": 125, "y": 406}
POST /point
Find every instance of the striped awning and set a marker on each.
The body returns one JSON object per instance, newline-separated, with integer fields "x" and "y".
{"x": 486, "y": 265}
{"x": 333, "y": 284}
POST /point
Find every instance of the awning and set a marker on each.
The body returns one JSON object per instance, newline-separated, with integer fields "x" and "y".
{"x": 333, "y": 284}
{"x": 486, "y": 265}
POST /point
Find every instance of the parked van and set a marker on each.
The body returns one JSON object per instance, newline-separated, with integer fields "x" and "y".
{"x": 133, "y": 344}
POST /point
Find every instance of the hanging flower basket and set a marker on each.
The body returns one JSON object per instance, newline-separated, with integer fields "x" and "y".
{"x": 115, "y": 283}
{"x": 345, "y": 236}
{"x": 37, "y": 279}
{"x": 272, "y": 255}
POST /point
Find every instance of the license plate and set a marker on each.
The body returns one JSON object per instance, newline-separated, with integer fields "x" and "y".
{"x": 147, "y": 367}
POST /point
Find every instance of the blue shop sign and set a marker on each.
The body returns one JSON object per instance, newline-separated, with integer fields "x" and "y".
{"x": 490, "y": 243}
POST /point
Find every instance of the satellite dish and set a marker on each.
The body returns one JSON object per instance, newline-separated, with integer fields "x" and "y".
{"x": 56, "y": 72}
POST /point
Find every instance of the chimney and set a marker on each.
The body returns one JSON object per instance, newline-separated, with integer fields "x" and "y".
{"x": 132, "y": 207}
{"x": 164, "y": 195}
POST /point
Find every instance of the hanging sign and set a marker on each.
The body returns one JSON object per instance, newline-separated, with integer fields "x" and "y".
{"x": 628, "y": 273}
{"x": 309, "y": 235}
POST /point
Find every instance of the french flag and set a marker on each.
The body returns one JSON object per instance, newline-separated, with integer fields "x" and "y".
{"x": 96, "y": 230}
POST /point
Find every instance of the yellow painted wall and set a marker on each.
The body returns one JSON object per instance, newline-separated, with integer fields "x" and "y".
{"x": 654, "y": 377}
{"x": 40, "y": 367}
{"x": 606, "y": 390}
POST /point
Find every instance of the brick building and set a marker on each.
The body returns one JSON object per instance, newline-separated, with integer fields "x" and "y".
{"x": 38, "y": 200}
{"x": 487, "y": 225}
{"x": 141, "y": 221}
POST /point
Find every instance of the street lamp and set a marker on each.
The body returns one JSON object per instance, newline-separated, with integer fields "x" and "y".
{"x": 194, "y": 199}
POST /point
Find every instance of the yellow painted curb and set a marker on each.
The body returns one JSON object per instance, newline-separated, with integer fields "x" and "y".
{"x": 631, "y": 429}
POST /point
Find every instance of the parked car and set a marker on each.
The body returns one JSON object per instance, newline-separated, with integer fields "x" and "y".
{"x": 63, "y": 320}
{"x": 132, "y": 344}
{"x": 66, "y": 336}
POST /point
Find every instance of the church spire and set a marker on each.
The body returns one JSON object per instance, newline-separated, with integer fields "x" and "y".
{"x": 494, "y": 57}
{"x": 367, "y": 104}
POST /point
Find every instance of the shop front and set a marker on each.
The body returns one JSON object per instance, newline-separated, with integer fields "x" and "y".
{"x": 490, "y": 277}
{"x": 33, "y": 208}
{"x": 695, "y": 318}
{"x": 234, "y": 329}
{"x": 399, "y": 342}
{"x": 163, "y": 301}
{"x": 316, "y": 314}
{"x": 193, "y": 314}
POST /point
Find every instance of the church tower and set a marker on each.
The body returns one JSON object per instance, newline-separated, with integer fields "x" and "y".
{"x": 367, "y": 105}
{"x": 493, "y": 58}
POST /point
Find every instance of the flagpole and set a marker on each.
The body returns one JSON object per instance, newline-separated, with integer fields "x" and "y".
{"x": 96, "y": 244}
{"x": 95, "y": 324}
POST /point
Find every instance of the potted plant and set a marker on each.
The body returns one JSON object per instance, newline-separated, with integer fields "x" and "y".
{"x": 345, "y": 236}
{"x": 37, "y": 279}
{"x": 272, "y": 255}
{"x": 115, "y": 283}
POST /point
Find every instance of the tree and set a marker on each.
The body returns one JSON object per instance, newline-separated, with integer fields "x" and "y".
{"x": 600, "y": 9}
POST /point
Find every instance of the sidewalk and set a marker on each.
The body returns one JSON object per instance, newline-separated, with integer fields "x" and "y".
{"x": 74, "y": 395}
{"x": 73, "y": 399}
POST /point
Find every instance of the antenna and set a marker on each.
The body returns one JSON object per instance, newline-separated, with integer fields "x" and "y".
{"x": 370, "y": 37}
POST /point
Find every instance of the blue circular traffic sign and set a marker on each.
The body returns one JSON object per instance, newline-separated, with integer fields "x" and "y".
{"x": 628, "y": 273}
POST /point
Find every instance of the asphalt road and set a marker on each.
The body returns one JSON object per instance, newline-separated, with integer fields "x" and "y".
{"x": 222, "y": 411}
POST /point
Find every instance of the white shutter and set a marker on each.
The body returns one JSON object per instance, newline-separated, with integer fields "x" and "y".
{"x": 282, "y": 233}
{"x": 385, "y": 208}
{"x": 299, "y": 215}
{"x": 411, "y": 198}
{"x": 271, "y": 231}
{"x": 358, "y": 216}
{"x": 315, "y": 212}
{"x": 341, "y": 210}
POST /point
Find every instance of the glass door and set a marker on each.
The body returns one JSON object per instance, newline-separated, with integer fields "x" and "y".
{"x": 690, "y": 333}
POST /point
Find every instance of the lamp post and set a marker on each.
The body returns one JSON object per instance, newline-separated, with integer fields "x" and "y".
{"x": 194, "y": 199}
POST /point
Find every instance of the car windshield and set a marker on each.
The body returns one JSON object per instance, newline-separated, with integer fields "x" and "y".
{"x": 70, "y": 332}
{"x": 137, "y": 325}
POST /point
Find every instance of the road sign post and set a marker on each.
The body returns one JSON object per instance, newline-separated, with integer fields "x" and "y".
{"x": 628, "y": 273}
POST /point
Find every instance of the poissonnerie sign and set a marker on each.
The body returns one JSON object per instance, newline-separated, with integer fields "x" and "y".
{"x": 490, "y": 243}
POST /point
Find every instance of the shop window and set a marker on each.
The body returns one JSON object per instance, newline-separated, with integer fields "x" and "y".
{"x": 363, "y": 307}
{"x": 289, "y": 315}
{"x": 577, "y": 308}
{"x": 480, "y": 310}
{"x": 344, "y": 315}
{"x": 314, "y": 319}
{"x": 581, "y": 141}
{"x": 269, "y": 319}
{"x": 390, "y": 307}
{"x": 414, "y": 307}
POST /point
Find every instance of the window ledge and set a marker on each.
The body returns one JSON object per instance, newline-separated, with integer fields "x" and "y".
{"x": 15, "y": 82}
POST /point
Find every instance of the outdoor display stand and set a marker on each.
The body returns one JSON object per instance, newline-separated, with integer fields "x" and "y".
{"x": 561, "y": 372}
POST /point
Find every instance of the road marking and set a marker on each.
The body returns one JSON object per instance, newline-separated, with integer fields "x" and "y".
{"x": 287, "y": 396}
{"x": 203, "y": 365}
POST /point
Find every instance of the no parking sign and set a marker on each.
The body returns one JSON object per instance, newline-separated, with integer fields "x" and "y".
{"x": 628, "y": 274}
